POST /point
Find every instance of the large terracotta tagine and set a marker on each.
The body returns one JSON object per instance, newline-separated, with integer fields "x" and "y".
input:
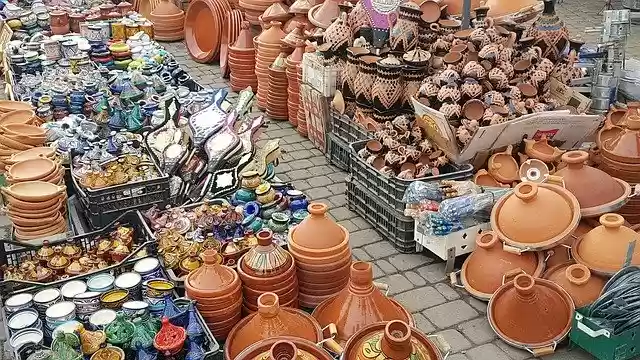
{"x": 270, "y": 321}
{"x": 390, "y": 340}
{"x": 218, "y": 293}
{"x": 604, "y": 250}
{"x": 532, "y": 314}
{"x": 596, "y": 191}
{"x": 535, "y": 216}
{"x": 267, "y": 268}
{"x": 168, "y": 21}
{"x": 489, "y": 266}
{"x": 284, "y": 348}
{"x": 321, "y": 250}
{"x": 576, "y": 279}
{"x": 358, "y": 305}
{"x": 562, "y": 252}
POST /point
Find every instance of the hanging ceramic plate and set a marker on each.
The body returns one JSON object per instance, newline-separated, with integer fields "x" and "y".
{"x": 202, "y": 30}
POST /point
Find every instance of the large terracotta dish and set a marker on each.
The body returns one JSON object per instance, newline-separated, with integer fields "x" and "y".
{"x": 576, "y": 279}
{"x": 202, "y": 30}
{"x": 33, "y": 153}
{"x": 31, "y": 169}
{"x": 596, "y": 191}
{"x": 10, "y": 105}
{"x": 489, "y": 266}
{"x": 604, "y": 249}
{"x": 535, "y": 216}
{"x": 34, "y": 191}
{"x": 270, "y": 321}
{"x": 17, "y": 117}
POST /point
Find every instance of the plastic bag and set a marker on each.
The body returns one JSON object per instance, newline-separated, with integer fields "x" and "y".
{"x": 438, "y": 191}
{"x": 473, "y": 205}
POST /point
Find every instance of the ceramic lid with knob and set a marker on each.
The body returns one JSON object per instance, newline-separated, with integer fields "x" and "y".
{"x": 489, "y": 266}
{"x": 532, "y": 314}
{"x": 284, "y": 348}
{"x": 535, "y": 216}
{"x": 576, "y": 279}
{"x": 604, "y": 250}
{"x": 318, "y": 233}
{"x": 596, "y": 191}
{"x": 211, "y": 277}
{"x": 267, "y": 258}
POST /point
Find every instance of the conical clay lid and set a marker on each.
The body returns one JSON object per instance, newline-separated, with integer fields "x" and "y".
{"x": 276, "y": 11}
{"x": 266, "y": 258}
{"x": 576, "y": 279}
{"x": 271, "y": 321}
{"x": 535, "y": 216}
{"x": 604, "y": 249}
{"x": 272, "y": 35}
{"x": 210, "y": 278}
{"x": 358, "y": 305}
{"x": 245, "y": 38}
{"x": 318, "y": 233}
{"x": 484, "y": 270}
{"x": 166, "y": 8}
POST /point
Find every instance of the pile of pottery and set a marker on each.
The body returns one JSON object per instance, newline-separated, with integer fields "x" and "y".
{"x": 242, "y": 60}
{"x": 322, "y": 254}
{"x": 277, "y": 107}
{"x": 268, "y": 49}
{"x": 203, "y": 26}
{"x": 293, "y": 80}
{"x": 302, "y": 118}
{"x": 253, "y": 9}
{"x": 299, "y": 9}
{"x": 278, "y": 11}
{"x": 233, "y": 26}
{"x": 121, "y": 53}
{"x": 168, "y": 21}
{"x": 218, "y": 292}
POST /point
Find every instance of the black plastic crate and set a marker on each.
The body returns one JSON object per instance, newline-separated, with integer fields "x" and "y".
{"x": 104, "y": 205}
{"x": 394, "y": 226}
{"x": 390, "y": 189}
{"x": 338, "y": 152}
{"x": 346, "y": 129}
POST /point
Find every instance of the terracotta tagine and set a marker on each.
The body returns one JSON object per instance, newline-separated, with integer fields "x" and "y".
{"x": 489, "y": 265}
{"x": 596, "y": 191}
{"x": 217, "y": 290}
{"x": 576, "y": 279}
{"x": 533, "y": 314}
{"x": 268, "y": 268}
{"x": 604, "y": 249}
{"x": 270, "y": 321}
{"x": 321, "y": 250}
{"x": 284, "y": 348}
{"x": 562, "y": 253}
{"x": 535, "y": 216}
{"x": 390, "y": 340}
{"x": 358, "y": 305}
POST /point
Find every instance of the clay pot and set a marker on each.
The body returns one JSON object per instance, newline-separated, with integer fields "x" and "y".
{"x": 17, "y": 117}
{"x": 533, "y": 314}
{"x": 583, "y": 287}
{"x": 31, "y": 169}
{"x": 562, "y": 253}
{"x": 503, "y": 166}
{"x": 284, "y": 348}
{"x": 322, "y": 15}
{"x": 535, "y": 216}
{"x": 489, "y": 266}
{"x": 358, "y": 305}
{"x": 473, "y": 109}
{"x": 34, "y": 153}
{"x": 270, "y": 321}
{"x": 394, "y": 340}
{"x": 604, "y": 249}
{"x": 307, "y": 238}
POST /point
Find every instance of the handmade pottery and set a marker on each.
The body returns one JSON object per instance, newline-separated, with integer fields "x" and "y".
{"x": 387, "y": 91}
{"x": 583, "y": 287}
{"x": 33, "y": 191}
{"x": 170, "y": 339}
{"x": 550, "y": 33}
{"x": 284, "y": 348}
{"x": 541, "y": 150}
{"x": 404, "y": 33}
{"x": 503, "y": 166}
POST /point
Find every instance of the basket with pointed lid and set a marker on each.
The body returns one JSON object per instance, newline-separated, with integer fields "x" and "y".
{"x": 532, "y": 314}
{"x": 535, "y": 216}
{"x": 271, "y": 320}
{"x": 489, "y": 265}
{"x": 211, "y": 279}
{"x": 577, "y": 280}
{"x": 318, "y": 235}
{"x": 604, "y": 249}
{"x": 276, "y": 12}
{"x": 596, "y": 191}
{"x": 358, "y": 305}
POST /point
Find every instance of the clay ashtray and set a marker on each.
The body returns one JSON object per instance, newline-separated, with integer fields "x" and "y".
{"x": 473, "y": 109}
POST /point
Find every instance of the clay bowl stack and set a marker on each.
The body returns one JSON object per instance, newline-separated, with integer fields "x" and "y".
{"x": 218, "y": 292}
{"x": 302, "y": 120}
{"x": 168, "y": 22}
{"x": 293, "y": 99}
{"x": 267, "y": 268}
{"x": 36, "y": 209}
{"x": 268, "y": 49}
{"x": 16, "y": 137}
{"x": 253, "y": 9}
{"x": 277, "y": 93}
{"x": 27, "y": 117}
{"x": 242, "y": 60}
{"x": 321, "y": 250}
{"x": 231, "y": 31}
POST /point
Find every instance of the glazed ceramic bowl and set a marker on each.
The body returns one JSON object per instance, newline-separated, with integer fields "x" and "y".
{"x": 100, "y": 283}
{"x": 148, "y": 268}
{"x": 18, "y": 302}
{"x": 135, "y": 308}
{"x": 102, "y": 318}
{"x": 43, "y": 299}
{"x": 26, "y": 336}
{"x": 113, "y": 299}
{"x": 87, "y": 303}
{"x": 60, "y": 313}
{"x": 72, "y": 288}
{"x": 24, "y": 319}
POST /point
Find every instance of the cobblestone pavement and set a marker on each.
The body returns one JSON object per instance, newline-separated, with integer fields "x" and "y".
{"x": 416, "y": 280}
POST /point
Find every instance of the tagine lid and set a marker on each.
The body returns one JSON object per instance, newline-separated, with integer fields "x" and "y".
{"x": 489, "y": 264}
{"x": 604, "y": 249}
{"x": 266, "y": 258}
{"x": 301, "y": 7}
{"x": 535, "y": 216}
{"x": 271, "y": 321}
{"x": 359, "y": 304}
{"x": 275, "y": 11}
{"x": 533, "y": 313}
{"x": 284, "y": 348}
{"x": 245, "y": 38}
{"x": 576, "y": 279}
{"x": 317, "y": 231}
{"x": 272, "y": 35}
{"x": 390, "y": 340}
{"x": 596, "y": 191}
{"x": 211, "y": 276}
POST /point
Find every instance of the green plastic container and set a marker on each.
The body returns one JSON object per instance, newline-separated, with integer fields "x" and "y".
{"x": 600, "y": 341}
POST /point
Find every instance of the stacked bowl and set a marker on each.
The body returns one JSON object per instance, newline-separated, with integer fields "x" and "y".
{"x": 242, "y": 60}
{"x": 16, "y": 135}
{"x": 168, "y": 22}
{"x": 25, "y": 116}
{"x": 268, "y": 49}
{"x": 321, "y": 250}
{"x": 293, "y": 99}
{"x": 277, "y": 94}
{"x": 218, "y": 292}
{"x": 267, "y": 268}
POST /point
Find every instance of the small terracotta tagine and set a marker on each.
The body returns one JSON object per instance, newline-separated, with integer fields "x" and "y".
{"x": 576, "y": 279}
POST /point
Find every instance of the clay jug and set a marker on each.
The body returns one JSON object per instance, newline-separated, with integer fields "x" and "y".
{"x": 583, "y": 287}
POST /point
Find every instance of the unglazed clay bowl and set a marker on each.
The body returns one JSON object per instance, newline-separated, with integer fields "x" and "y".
{"x": 12, "y": 144}
{"x": 28, "y": 140}
{"x": 34, "y": 191}
{"x": 309, "y": 301}
{"x": 23, "y": 129}
{"x": 59, "y": 228}
{"x": 337, "y": 285}
{"x": 33, "y": 153}
{"x": 324, "y": 263}
{"x": 30, "y": 206}
{"x": 17, "y": 117}
{"x": 51, "y": 211}
{"x": 25, "y": 222}
{"x": 248, "y": 292}
{"x": 217, "y": 303}
{"x": 32, "y": 169}
{"x": 324, "y": 277}
{"x": 41, "y": 226}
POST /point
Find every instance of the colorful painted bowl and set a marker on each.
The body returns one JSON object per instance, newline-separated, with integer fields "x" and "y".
{"x": 113, "y": 299}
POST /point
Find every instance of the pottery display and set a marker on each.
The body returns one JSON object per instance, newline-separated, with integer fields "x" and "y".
{"x": 231, "y": 31}
{"x": 292, "y": 62}
{"x": 583, "y": 287}
{"x": 318, "y": 253}
{"x": 359, "y": 305}
{"x": 267, "y": 50}
{"x": 203, "y": 33}
{"x": 242, "y": 60}
{"x": 270, "y": 321}
{"x": 276, "y": 107}
{"x": 168, "y": 21}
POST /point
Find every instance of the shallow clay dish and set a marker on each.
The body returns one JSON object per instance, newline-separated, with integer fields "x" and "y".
{"x": 503, "y": 166}
{"x": 202, "y": 30}
{"x": 9, "y": 105}
{"x": 24, "y": 129}
{"x": 12, "y": 144}
{"x": 541, "y": 150}
{"x": 17, "y": 117}
{"x": 33, "y": 153}
{"x": 34, "y": 191}
{"x": 32, "y": 169}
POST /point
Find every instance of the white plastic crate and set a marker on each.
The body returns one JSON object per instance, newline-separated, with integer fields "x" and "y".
{"x": 320, "y": 77}
{"x": 461, "y": 242}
